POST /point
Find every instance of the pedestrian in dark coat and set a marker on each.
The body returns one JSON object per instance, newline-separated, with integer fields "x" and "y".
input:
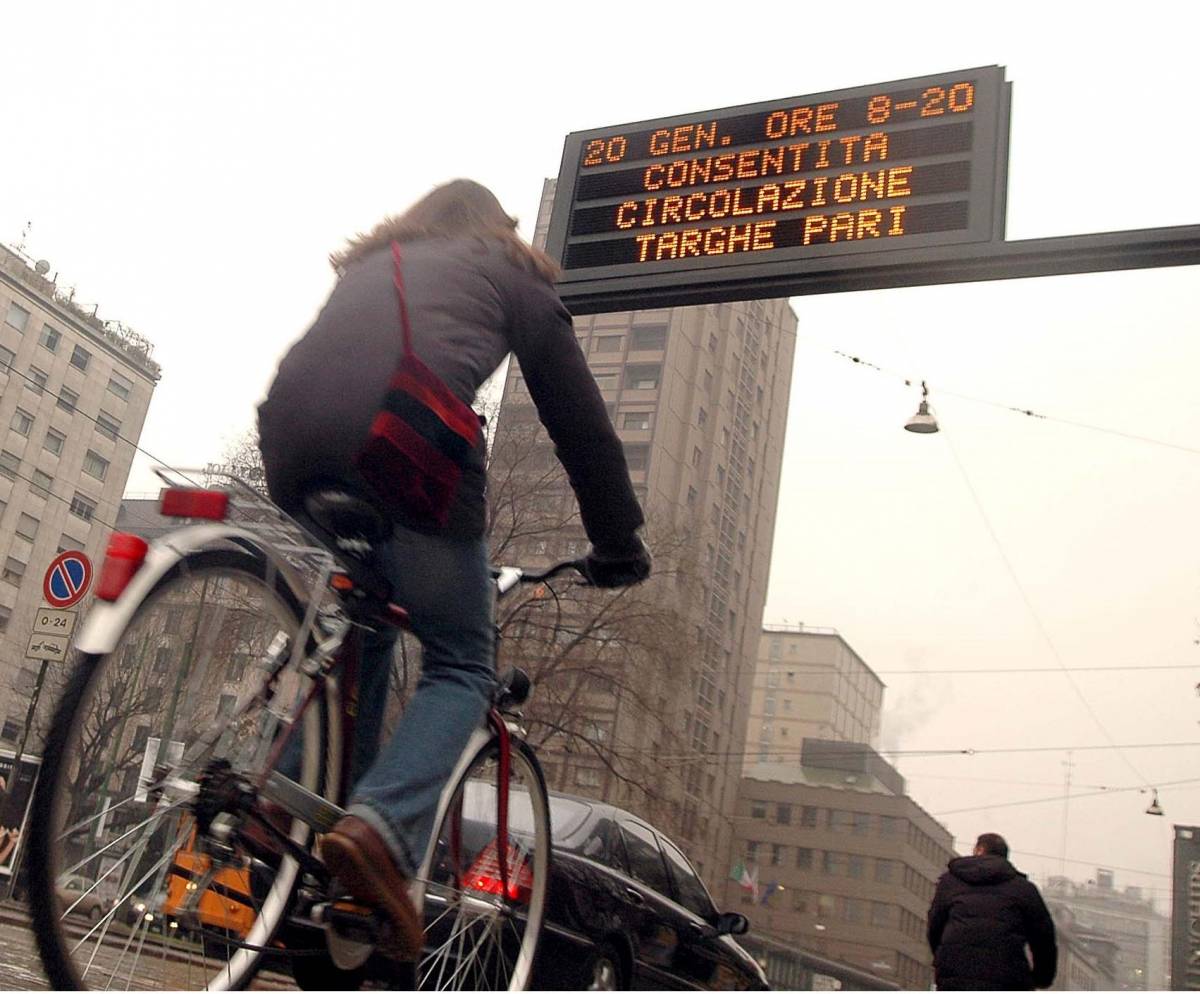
{"x": 984, "y": 916}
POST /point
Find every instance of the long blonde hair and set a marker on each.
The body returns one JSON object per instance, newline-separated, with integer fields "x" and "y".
{"x": 459, "y": 208}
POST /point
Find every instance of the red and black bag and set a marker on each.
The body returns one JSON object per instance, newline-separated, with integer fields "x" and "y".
{"x": 420, "y": 442}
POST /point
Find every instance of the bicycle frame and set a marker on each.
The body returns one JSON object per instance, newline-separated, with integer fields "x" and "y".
{"x": 106, "y": 621}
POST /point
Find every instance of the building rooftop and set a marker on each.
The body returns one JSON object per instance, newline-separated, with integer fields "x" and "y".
{"x": 32, "y": 275}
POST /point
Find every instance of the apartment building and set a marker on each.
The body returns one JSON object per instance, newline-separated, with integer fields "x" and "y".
{"x": 74, "y": 391}
{"x": 699, "y": 399}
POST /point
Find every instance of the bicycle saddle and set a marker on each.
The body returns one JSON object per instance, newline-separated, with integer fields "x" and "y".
{"x": 355, "y": 523}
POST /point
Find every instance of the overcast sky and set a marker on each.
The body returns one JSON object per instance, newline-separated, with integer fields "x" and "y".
{"x": 189, "y": 167}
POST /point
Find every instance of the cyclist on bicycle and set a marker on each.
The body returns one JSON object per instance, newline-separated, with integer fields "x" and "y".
{"x": 474, "y": 293}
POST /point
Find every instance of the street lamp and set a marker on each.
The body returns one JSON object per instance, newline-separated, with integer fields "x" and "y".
{"x": 923, "y": 422}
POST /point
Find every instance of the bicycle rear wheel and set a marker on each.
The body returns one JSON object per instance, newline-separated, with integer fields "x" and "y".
{"x": 144, "y": 737}
{"x": 481, "y": 933}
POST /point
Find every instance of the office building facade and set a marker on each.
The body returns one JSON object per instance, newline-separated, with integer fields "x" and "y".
{"x": 809, "y": 683}
{"x": 836, "y": 860}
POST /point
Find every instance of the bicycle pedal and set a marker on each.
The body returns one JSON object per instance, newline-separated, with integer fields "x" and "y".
{"x": 352, "y": 932}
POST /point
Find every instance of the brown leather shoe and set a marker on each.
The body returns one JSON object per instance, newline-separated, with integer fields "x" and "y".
{"x": 354, "y": 853}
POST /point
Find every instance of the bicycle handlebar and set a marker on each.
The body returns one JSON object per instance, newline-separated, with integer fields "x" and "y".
{"x": 507, "y": 577}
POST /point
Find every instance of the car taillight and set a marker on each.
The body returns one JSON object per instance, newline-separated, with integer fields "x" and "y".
{"x": 124, "y": 558}
{"x": 484, "y": 874}
{"x": 194, "y": 502}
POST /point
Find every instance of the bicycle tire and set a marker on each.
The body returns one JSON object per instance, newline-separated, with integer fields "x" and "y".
{"x": 249, "y": 569}
{"x": 489, "y": 921}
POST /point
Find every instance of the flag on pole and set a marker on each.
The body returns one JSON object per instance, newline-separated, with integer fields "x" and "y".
{"x": 746, "y": 877}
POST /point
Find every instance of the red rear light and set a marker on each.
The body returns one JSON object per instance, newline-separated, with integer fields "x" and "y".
{"x": 124, "y": 558}
{"x": 194, "y": 502}
{"x": 484, "y": 874}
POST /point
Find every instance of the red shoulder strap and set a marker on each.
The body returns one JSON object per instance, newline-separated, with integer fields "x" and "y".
{"x": 398, "y": 279}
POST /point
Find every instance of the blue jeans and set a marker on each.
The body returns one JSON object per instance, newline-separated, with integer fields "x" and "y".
{"x": 447, "y": 590}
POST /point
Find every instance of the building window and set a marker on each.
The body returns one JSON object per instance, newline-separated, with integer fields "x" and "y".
{"x": 639, "y": 421}
{"x": 692, "y": 494}
{"x": 83, "y": 507}
{"x": 36, "y": 380}
{"x": 10, "y": 462}
{"x": 67, "y": 399}
{"x": 5, "y": 614}
{"x": 6, "y": 357}
{"x": 650, "y": 339}
{"x": 776, "y": 854}
{"x": 27, "y": 526}
{"x": 68, "y": 544}
{"x": 587, "y": 776}
{"x": 18, "y": 317}
{"x": 80, "y": 358}
{"x": 607, "y": 343}
{"x": 642, "y": 377}
{"x": 108, "y": 427}
{"x": 804, "y": 859}
{"x": 95, "y": 465}
{"x": 854, "y": 867}
{"x": 120, "y": 386}
{"x": 14, "y": 569}
{"x": 41, "y": 483}
{"x": 808, "y": 816}
{"x": 606, "y": 381}
{"x": 637, "y": 457}
{"x": 881, "y": 915}
{"x": 884, "y": 871}
{"x": 712, "y": 343}
{"x": 49, "y": 338}
{"x": 22, "y": 422}
{"x": 758, "y": 809}
{"x": 54, "y": 442}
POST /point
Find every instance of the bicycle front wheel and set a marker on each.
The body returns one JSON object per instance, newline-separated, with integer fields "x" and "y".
{"x": 148, "y": 749}
{"x": 482, "y": 924}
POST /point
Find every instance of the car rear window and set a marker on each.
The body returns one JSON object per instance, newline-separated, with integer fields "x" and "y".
{"x": 566, "y": 815}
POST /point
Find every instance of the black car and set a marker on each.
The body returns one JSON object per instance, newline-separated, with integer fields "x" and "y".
{"x": 625, "y": 909}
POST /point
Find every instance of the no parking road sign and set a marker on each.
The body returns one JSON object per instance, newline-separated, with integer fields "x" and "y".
{"x": 67, "y": 579}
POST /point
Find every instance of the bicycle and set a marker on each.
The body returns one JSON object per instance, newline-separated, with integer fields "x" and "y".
{"x": 209, "y": 658}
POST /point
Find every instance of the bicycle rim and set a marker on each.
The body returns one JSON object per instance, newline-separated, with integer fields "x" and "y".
{"x": 481, "y": 933}
{"x": 129, "y": 746}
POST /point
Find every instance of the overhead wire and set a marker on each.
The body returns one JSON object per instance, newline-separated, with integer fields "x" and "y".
{"x": 1027, "y": 412}
{"x": 40, "y": 389}
{"x": 1033, "y": 613}
{"x": 1043, "y": 631}
{"x": 1068, "y": 797}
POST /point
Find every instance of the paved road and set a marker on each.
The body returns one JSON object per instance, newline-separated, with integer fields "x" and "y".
{"x": 20, "y": 968}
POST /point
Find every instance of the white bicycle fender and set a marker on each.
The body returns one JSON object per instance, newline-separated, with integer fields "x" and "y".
{"x": 106, "y": 621}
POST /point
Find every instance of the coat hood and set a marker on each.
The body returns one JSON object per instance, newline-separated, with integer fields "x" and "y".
{"x": 983, "y": 870}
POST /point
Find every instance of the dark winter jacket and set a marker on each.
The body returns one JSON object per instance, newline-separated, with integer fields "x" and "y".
{"x": 983, "y": 914}
{"x": 469, "y": 306}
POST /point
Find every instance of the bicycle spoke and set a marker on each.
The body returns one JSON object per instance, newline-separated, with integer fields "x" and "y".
{"x": 142, "y": 824}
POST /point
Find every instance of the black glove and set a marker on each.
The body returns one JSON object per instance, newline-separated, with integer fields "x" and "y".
{"x": 618, "y": 567}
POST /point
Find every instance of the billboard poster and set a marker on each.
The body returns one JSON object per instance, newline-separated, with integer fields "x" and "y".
{"x": 16, "y": 791}
{"x": 1185, "y": 910}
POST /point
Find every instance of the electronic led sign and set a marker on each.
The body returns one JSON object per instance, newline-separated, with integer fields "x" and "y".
{"x": 914, "y": 163}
